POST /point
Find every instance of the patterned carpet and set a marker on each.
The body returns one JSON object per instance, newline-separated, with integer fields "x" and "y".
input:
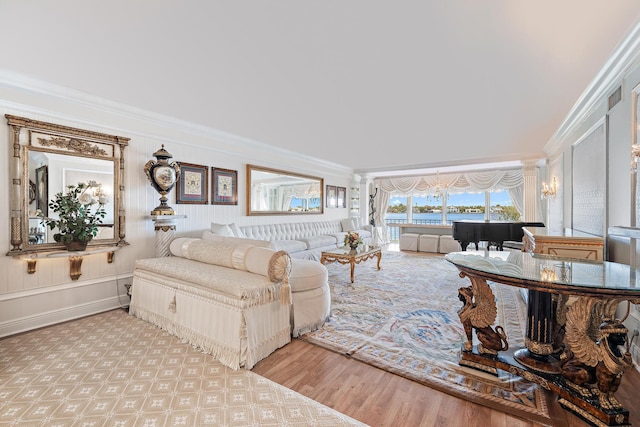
{"x": 403, "y": 319}
{"x": 113, "y": 369}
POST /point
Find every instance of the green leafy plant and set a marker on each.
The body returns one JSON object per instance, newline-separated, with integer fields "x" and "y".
{"x": 79, "y": 213}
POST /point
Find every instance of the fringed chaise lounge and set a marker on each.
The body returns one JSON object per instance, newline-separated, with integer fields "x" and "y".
{"x": 232, "y": 298}
{"x": 229, "y": 299}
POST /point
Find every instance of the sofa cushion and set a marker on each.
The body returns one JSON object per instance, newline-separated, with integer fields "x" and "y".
{"x": 233, "y": 253}
{"x": 222, "y": 230}
{"x": 237, "y": 231}
{"x": 348, "y": 224}
{"x": 306, "y": 275}
{"x": 195, "y": 277}
{"x": 208, "y": 235}
{"x": 319, "y": 241}
{"x": 289, "y": 245}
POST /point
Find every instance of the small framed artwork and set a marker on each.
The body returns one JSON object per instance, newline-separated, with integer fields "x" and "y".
{"x": 331, "y": 196}
{"x": 42, "y": 189}
{"x": 224, "y": 189}
{"x": 193, "y": 184}
{"x": 342, "y": 197}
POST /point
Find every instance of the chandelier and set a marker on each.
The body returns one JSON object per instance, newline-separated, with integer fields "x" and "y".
{"x": 439, "y": 189}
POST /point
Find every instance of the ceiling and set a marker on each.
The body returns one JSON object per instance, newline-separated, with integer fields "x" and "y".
{"x": 372, "y": 85}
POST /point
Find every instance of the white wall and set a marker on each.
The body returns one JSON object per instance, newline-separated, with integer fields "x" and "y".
{"x": 619, "y": 139}
{"x": 49, "y": 295}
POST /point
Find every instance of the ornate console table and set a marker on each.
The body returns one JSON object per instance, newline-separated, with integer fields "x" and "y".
{"x": 574, "y": 345}
{"x": 75, "y": 259}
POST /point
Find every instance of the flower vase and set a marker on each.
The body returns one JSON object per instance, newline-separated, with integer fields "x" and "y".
{"x": 354, "y": 247}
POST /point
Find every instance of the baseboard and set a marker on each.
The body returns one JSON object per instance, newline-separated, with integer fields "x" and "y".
{"x": 39, "y": 320}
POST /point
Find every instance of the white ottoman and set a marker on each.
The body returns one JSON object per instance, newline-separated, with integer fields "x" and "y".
{"x": 448, "y": 244}
{"x": 310, "y": 296}
{"x": 409, "y": 241}
{"x": 428, "y": 243}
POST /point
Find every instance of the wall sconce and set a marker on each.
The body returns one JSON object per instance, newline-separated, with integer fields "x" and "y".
{"x": 635, "y": 156}
{"x": 549, "y": 191}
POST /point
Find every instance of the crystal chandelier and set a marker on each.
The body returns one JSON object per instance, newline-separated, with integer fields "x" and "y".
{"x": 439, "y": 189}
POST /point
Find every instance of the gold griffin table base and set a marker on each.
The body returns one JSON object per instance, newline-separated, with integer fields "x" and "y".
{"x": 562, "y": 352}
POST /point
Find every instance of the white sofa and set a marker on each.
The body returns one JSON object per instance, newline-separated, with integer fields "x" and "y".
{"x": 305, "y": 240}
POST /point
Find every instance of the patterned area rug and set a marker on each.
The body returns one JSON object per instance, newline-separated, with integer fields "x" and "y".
{"x": 403, "y": 319}
{"x": 113, "y": 369}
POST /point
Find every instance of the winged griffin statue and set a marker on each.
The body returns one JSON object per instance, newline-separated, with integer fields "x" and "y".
{"x": 598, "y": 351}
{"x": 479, "y": 312}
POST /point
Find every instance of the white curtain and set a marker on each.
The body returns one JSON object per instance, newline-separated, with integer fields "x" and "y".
{"x": 465, "y": 182}
{"x": 381, "y": 203}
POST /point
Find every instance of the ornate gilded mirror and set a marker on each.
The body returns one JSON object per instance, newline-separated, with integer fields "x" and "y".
{"x": 277, "y": 192}
{"x": 45, "y": 158}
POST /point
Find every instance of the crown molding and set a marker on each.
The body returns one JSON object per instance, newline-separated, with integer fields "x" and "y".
{"x": 625, "y": 56}
{"x": 228, "y": 143}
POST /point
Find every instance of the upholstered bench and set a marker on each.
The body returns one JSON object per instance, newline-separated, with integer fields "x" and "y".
{"x": 310, "y": 296}
{"x": 428, "y": 243}
{"x": 409, "y": 241}
{"x": 230, "y": 299}
{"x": 448, "y": 244}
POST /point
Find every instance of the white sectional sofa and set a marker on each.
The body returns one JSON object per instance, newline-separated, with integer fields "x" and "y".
{"x": 305, "y": 240}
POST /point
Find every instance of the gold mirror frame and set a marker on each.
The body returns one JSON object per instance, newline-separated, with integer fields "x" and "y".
{"x": 29, "y": 135}
{"x": 278, "y": 181}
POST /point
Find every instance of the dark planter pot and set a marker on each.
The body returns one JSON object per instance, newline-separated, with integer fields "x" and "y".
{"x": 76, "y": 245}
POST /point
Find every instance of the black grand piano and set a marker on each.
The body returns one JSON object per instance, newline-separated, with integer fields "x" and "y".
{"x": 495, "y": 233}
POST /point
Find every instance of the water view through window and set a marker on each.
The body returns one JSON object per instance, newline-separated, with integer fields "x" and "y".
{"x": 464, "y": 206}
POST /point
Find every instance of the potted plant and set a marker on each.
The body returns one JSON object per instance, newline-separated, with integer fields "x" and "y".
{"x": 79, "y": 212}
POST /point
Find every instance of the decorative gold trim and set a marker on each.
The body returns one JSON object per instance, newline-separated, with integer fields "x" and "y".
{"x": 73, "y": 144}
{"x": 33, "y": 135}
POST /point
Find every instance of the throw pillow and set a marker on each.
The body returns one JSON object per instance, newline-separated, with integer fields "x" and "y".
{"x": 358, "y": 223}
{"x": 348, "y": 225}
{"x": 237, "y": 232}
{"x": 221, "y": 230}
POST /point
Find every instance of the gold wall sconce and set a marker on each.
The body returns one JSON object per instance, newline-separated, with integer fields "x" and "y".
{"x": 549, "y": 190}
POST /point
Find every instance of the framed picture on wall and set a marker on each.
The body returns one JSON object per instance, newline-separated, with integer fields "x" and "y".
{"x": 224, "y": 188}
{"x": 42, "y": 189}
{"x": 193, "y": 184}
{"x": 341, "y": 193}
{"x": 331, "y": 196}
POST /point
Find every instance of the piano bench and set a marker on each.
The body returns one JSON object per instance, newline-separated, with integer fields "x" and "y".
{"x": 428, "y": 243}
{"x": 448, "y": 244}
{"x": 409, "y": 241}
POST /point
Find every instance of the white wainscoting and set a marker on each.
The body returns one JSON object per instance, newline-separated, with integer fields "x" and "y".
{"x": 25, "y": 311}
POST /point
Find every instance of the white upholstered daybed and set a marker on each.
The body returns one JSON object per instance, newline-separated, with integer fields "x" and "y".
{"x": 230, "y": 299}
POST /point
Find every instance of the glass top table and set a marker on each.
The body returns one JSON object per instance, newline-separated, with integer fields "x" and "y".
{"x": 552, "y": 274}
{"x": 346, "y": 255}
{"x": 574, "y": 344}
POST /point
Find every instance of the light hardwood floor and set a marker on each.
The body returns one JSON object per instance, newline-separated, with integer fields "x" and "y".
{"x": 381, "y": 399}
